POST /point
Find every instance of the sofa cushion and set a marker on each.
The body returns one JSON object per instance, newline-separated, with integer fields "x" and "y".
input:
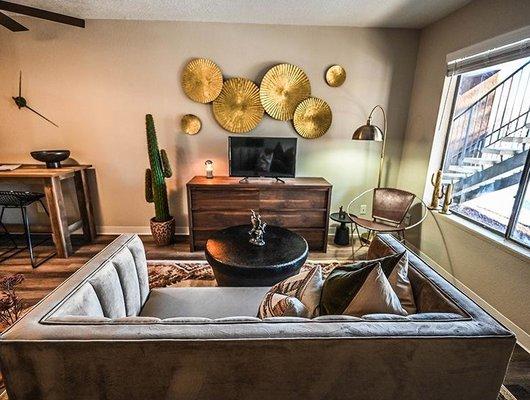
{"x": 116, "y": 287}
{"x": 306, "y": 287}
{"x": 84, "y": 301}
{"x": 281, "y": 305}
{"x": 395, "y": 268}
{"x": 356, "y": 292}
{"x": 205, "y": 302}
{"x": 107, "y": 285}
{"x": 123, "y": 261}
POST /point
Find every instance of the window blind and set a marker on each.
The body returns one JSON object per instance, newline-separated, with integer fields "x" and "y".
{"x": 499, "y": 55}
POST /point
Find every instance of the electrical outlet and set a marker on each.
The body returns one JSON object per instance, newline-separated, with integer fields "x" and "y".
{"x": 363, "y": 209}
{"x": 40, "y": 208}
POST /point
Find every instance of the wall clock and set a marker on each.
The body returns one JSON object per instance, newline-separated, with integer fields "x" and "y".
{"x": 21, "y": 102}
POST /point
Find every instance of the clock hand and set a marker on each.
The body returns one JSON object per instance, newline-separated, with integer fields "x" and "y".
{"x": 40, "y": 115}
{"x": 20, "y": 85}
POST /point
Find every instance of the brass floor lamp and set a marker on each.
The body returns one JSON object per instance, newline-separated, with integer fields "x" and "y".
{"x": 373, "y": 132}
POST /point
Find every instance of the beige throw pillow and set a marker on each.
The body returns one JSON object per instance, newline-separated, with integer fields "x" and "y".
{"x": 375, "y": 295}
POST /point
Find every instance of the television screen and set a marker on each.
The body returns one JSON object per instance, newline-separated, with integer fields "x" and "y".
{"x": 262, "y": 156}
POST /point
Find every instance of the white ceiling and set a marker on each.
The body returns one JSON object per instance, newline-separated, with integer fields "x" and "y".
{"x": 361, "y": 13}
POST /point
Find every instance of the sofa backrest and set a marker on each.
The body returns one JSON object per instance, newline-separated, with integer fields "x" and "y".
{"x": 116, "y": 289}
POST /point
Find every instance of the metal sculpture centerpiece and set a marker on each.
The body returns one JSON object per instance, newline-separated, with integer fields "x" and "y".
{"x": 312, "y": 118}
{"x": 283, "y": 87}
{"x": 202, "y": 80}
{"x": 238, "y": 109}
{"x": 258, "y": 229}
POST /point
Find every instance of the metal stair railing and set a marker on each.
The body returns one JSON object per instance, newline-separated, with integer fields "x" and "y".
{"x": 501, "y": 112}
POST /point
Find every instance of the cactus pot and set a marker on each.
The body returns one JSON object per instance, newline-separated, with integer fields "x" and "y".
{"x": 163, "y": 232}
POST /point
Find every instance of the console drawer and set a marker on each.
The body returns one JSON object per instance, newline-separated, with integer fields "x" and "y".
{"x": 294, "y": 219}
{"x": 227, "y": 199}
{"x": 300, "y": 199}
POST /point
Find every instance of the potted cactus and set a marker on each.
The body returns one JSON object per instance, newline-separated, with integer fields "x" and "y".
{"x": 163, "y": 224}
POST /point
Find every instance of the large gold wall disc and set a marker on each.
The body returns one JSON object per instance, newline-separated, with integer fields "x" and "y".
{"x": 335, "y": 75}
{"x": 202, "y": 80}
{"x": 238, "y": 109}
{"x": 190, "y": 124}
{"x": 283, "y": 87}
{"x": 312, "y": 118}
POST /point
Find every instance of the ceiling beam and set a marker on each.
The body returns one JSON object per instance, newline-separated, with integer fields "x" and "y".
{"x": 43, "y": 14}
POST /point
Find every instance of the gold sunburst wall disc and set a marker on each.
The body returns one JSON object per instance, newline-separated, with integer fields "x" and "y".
{"x": 238, "y": 108}
{"x": 202, "y": 80}
{"x": 283, "y": 87}
{"x": 335, "y": 76}
{"x": 190, "y": 124}
{"x": 312, "y": 118}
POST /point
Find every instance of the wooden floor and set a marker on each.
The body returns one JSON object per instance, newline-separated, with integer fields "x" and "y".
{"x": 40, "y": 281}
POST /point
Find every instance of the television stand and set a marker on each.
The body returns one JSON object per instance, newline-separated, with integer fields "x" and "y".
{"x": 279, "y": 180}
{"x": 244, "y": 180}
{"x": 299, "y": 204}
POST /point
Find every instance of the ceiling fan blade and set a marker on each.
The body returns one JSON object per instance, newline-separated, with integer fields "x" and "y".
{"x": 43, "y": 14}
{"x": 11, "y": 24}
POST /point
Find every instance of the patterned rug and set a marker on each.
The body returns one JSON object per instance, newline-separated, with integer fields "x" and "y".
{"x": 199, "y": 273}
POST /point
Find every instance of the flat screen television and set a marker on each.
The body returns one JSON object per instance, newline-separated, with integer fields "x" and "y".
{"x": 262, "y": 157}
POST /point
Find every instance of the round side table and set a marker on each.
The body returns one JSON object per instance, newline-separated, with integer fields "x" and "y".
{"x": 236, "y": 262}
{"x": 342, "y": 233}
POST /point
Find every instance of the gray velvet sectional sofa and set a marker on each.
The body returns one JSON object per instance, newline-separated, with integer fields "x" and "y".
{"x": 104, "y": 335}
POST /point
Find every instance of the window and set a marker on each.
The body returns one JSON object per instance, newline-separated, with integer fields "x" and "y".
{"x": 486, "y": 150}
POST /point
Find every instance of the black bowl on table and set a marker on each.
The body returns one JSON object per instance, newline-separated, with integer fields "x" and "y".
{"x": 52, "y": 158}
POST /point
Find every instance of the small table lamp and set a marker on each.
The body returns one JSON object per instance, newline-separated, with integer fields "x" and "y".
{"x": 373, "y": 132}
{"x": 208, "y": 166}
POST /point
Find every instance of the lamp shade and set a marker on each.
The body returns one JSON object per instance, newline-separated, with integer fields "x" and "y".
{"x": 368, "y": 132}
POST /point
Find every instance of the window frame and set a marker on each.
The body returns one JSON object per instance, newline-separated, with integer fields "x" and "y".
{"x": 523, "y": 186}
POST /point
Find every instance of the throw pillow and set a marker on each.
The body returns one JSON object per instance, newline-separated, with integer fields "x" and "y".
{"x": 280, "y": 305}
{"x": 396, "y": 269}
{"x": 359, "y": 291}
{"x": 306, "y": 287}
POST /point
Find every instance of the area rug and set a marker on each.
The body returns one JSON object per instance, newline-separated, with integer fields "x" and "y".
{"x": 167, "y": 273}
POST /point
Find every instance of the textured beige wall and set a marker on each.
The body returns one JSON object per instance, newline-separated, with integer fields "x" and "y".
{"x": 499, "y": 277}
{"x": 98, "y": 84}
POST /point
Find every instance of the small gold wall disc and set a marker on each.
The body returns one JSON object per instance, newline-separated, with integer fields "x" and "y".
{"x": 238, "y": 109}
{"x": 312, "y": 118}
{"x": 335, "y": 75}
{"x": 190, "y": 124}
{"x": 202, "y": 80}
{"x": 283, "y": 87}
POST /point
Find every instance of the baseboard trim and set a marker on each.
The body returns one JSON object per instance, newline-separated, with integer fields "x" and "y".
{"x": 141, "y": 230}
{"x": 523, "y": 338}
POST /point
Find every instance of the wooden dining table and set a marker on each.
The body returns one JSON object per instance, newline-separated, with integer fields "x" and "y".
{"x": 51, "y": 179}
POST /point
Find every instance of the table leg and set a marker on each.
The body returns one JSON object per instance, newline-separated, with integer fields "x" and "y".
{"x": 85, "y": 205}
{"x": 58, "y": 220}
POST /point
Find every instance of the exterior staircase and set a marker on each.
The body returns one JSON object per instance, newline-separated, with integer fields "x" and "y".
{"x": 489, "y": 140}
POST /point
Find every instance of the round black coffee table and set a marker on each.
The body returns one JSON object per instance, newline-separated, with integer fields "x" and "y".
{"x": 236, "y": 262}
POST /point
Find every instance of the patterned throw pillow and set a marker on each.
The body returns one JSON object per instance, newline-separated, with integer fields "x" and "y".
{"x": 304, "y": 288}
{"x": 280, "y": 305}
{"x": 359, "y": 291}
{"x": 396, "y": 269}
